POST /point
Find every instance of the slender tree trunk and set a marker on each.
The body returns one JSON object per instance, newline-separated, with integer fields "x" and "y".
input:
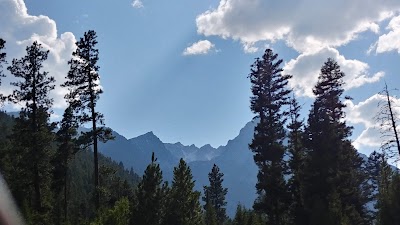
{"x": 65, "y": 190}
{"x": 96, "y": 162}
{"x": 392, "y": 119}
{"x": 94, "y": 133}
{"x": 38, "y": 197}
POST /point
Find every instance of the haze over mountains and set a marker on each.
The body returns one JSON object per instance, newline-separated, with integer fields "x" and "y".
{"x": 234, "y": 159}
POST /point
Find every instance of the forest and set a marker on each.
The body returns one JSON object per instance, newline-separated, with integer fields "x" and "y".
{"x": 309, "y": 173}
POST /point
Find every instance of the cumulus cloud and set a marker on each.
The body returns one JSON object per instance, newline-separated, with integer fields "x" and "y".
{"x": 304, "y": 25}
{"x": 20, "y": 29}
{"x": 137, "y": 4}
{"x": 306, "y": 68}
{"x": 391, "y": 40}
{"x": 201, "y": 47}
{"x": 364, "y": 113}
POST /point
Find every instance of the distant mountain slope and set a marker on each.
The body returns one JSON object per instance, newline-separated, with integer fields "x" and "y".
{"x": 234, "y": 159}
{"x": 240, "y": 171}
{"x": 136, "y": 152}
{"x": 192, "y": 153}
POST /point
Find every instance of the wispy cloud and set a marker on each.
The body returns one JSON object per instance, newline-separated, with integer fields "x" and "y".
{"x": 137, "y": 4}
{"x": 201, "y": 47}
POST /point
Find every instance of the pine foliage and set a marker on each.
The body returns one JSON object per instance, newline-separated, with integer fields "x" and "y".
{"x": 2, "y": 62}
{"x": 333, "y": 175}
{"x": 83, "y": 82}
{"x": 183, "y": 206}
{"x": 214, "y": 194}
{"x": 149, "y": 197}
{"x": 32, "y": 135}
{"x": 270, "y": 94}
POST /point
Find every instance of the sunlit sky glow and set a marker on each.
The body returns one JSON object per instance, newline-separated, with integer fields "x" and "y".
{"x": 179, "y": 68}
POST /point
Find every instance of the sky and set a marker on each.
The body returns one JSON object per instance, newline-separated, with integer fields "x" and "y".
{"x": 179, "y": 68}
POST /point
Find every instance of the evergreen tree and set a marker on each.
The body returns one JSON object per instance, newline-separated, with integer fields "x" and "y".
{"x": 32, "y": 135}
{"x": 117, "y": 215}
{"x": 67, "y": 147}
{"x": 240, "y": 216}
{"x": 83, "y": 83}
{"x": 333, "y": 175}
{"x": 270, "y": 94}
{"x": 183, "y": 206}
{"x": 215, "y": 194}
{"x": 296, "y": 162}
{"x": 2, "y": 61}
{"x": 384, "y": 185}
{"x": 254, "y": 218}
{"x": 149, "y": 197}
{"x": 210, "y": 216}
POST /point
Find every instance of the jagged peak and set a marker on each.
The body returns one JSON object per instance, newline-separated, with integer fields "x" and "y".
{"x": 208, "y": 146}
{"x": 149, "y": 135}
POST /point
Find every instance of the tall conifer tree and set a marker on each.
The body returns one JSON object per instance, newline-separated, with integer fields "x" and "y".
{"x": 296, "y": 163}
{"x": 183, "y": 206}
{"x": 215, "y": 194}
{"x": 270, "y": 94}
{"x": 149, "y": 197}
{"x": 67, "y": 147}
{"x": 32, "y": 135}
{"x": 333, "y": 175}
{"x": 83, "y": 83}
{"x": 210, "y": 216}
{"x": 2, "y": 61}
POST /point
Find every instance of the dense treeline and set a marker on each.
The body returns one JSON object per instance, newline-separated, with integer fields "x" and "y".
{"x": 309, "y": 172}
{"x": 325, "y": 180}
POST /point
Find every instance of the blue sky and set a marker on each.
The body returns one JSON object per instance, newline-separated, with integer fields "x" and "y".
{"x": 179, "y": 68}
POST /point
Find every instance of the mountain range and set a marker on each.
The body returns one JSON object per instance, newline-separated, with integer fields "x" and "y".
{"x": 234, "y": 159}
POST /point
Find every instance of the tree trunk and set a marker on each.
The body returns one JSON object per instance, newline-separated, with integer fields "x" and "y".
{"x": 394, "y": 126}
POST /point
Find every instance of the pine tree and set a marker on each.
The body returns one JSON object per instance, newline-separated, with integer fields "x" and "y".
{"x": 32, "y": 135}
{"x": 67, "y": 147}
{"x": 240, "y": 216}
{"x": 215, "y": 194}
{"x": 2, "y": 61}
{"x": 270, "y": 94}
{"x": 210, "y": 216}
{"x": 384, "y": 181}
{"x": 183, "y": 206}
{"x": 83, "y": 83}
{"x": 296, "y": 162}
{"x": 333, "y": 175}
{"x": 3, "y": 142}
{"x": 149, "y": 197}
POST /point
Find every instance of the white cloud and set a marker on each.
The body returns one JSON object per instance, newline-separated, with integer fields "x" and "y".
{"x": 201, "y": 47}
{"x": 365, "y": 113}
{"x": 391, "y": 40}
{"x": 249, "y": 48}
{"x": 137, "y": 4}
{"x": 306, "y": 68}
{"x": 304, "y": 25}
{"x": 20, "y": 29}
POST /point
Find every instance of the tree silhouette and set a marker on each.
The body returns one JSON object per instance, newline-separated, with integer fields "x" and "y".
{"x": 270, "y": 94}
{"x": 84, "y": 92}
{"x": 214, "y": 194}
{"x": 32, "y": 135}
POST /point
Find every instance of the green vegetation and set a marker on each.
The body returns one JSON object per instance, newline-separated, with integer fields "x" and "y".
{"x": 57, "y": 175}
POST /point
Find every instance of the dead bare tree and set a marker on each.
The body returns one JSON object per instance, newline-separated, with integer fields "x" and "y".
{"x": 388, "y": 119}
